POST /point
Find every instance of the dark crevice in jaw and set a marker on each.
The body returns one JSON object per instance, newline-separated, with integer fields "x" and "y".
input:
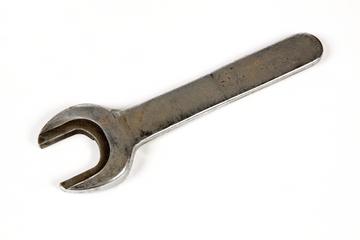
{"x": 79, "y": 126}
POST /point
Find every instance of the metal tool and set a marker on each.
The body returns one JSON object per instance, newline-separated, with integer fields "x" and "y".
{"x": 119, "y": 133}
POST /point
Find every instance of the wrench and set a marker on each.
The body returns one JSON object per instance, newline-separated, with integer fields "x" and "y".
{"x": 119, "y": 133}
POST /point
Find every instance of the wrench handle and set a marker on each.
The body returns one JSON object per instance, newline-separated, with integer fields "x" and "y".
{"x": 229, "y": 83}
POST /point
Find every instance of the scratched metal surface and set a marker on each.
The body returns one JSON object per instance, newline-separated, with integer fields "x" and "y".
{"x": 226, "y": 83}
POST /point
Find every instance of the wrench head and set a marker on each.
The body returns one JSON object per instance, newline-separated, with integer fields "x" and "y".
{"x": 102, "y": 125}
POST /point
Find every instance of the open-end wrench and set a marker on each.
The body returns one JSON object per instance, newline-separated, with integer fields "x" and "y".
{"x": 119, "y": 133}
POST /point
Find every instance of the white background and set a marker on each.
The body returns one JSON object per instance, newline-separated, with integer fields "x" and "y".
{"x": 282, "y": 163}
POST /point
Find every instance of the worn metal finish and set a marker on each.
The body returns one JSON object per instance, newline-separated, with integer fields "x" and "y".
{"x": 119, "y": 133}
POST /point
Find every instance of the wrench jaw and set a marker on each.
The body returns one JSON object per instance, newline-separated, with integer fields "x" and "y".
{"x": 115, "y": 170}
{"x": 101, "y": 125}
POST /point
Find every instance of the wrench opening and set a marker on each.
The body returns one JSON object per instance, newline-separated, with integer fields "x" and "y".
{"x": 102, "y": 125}
{"x": 68, "y": 129}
